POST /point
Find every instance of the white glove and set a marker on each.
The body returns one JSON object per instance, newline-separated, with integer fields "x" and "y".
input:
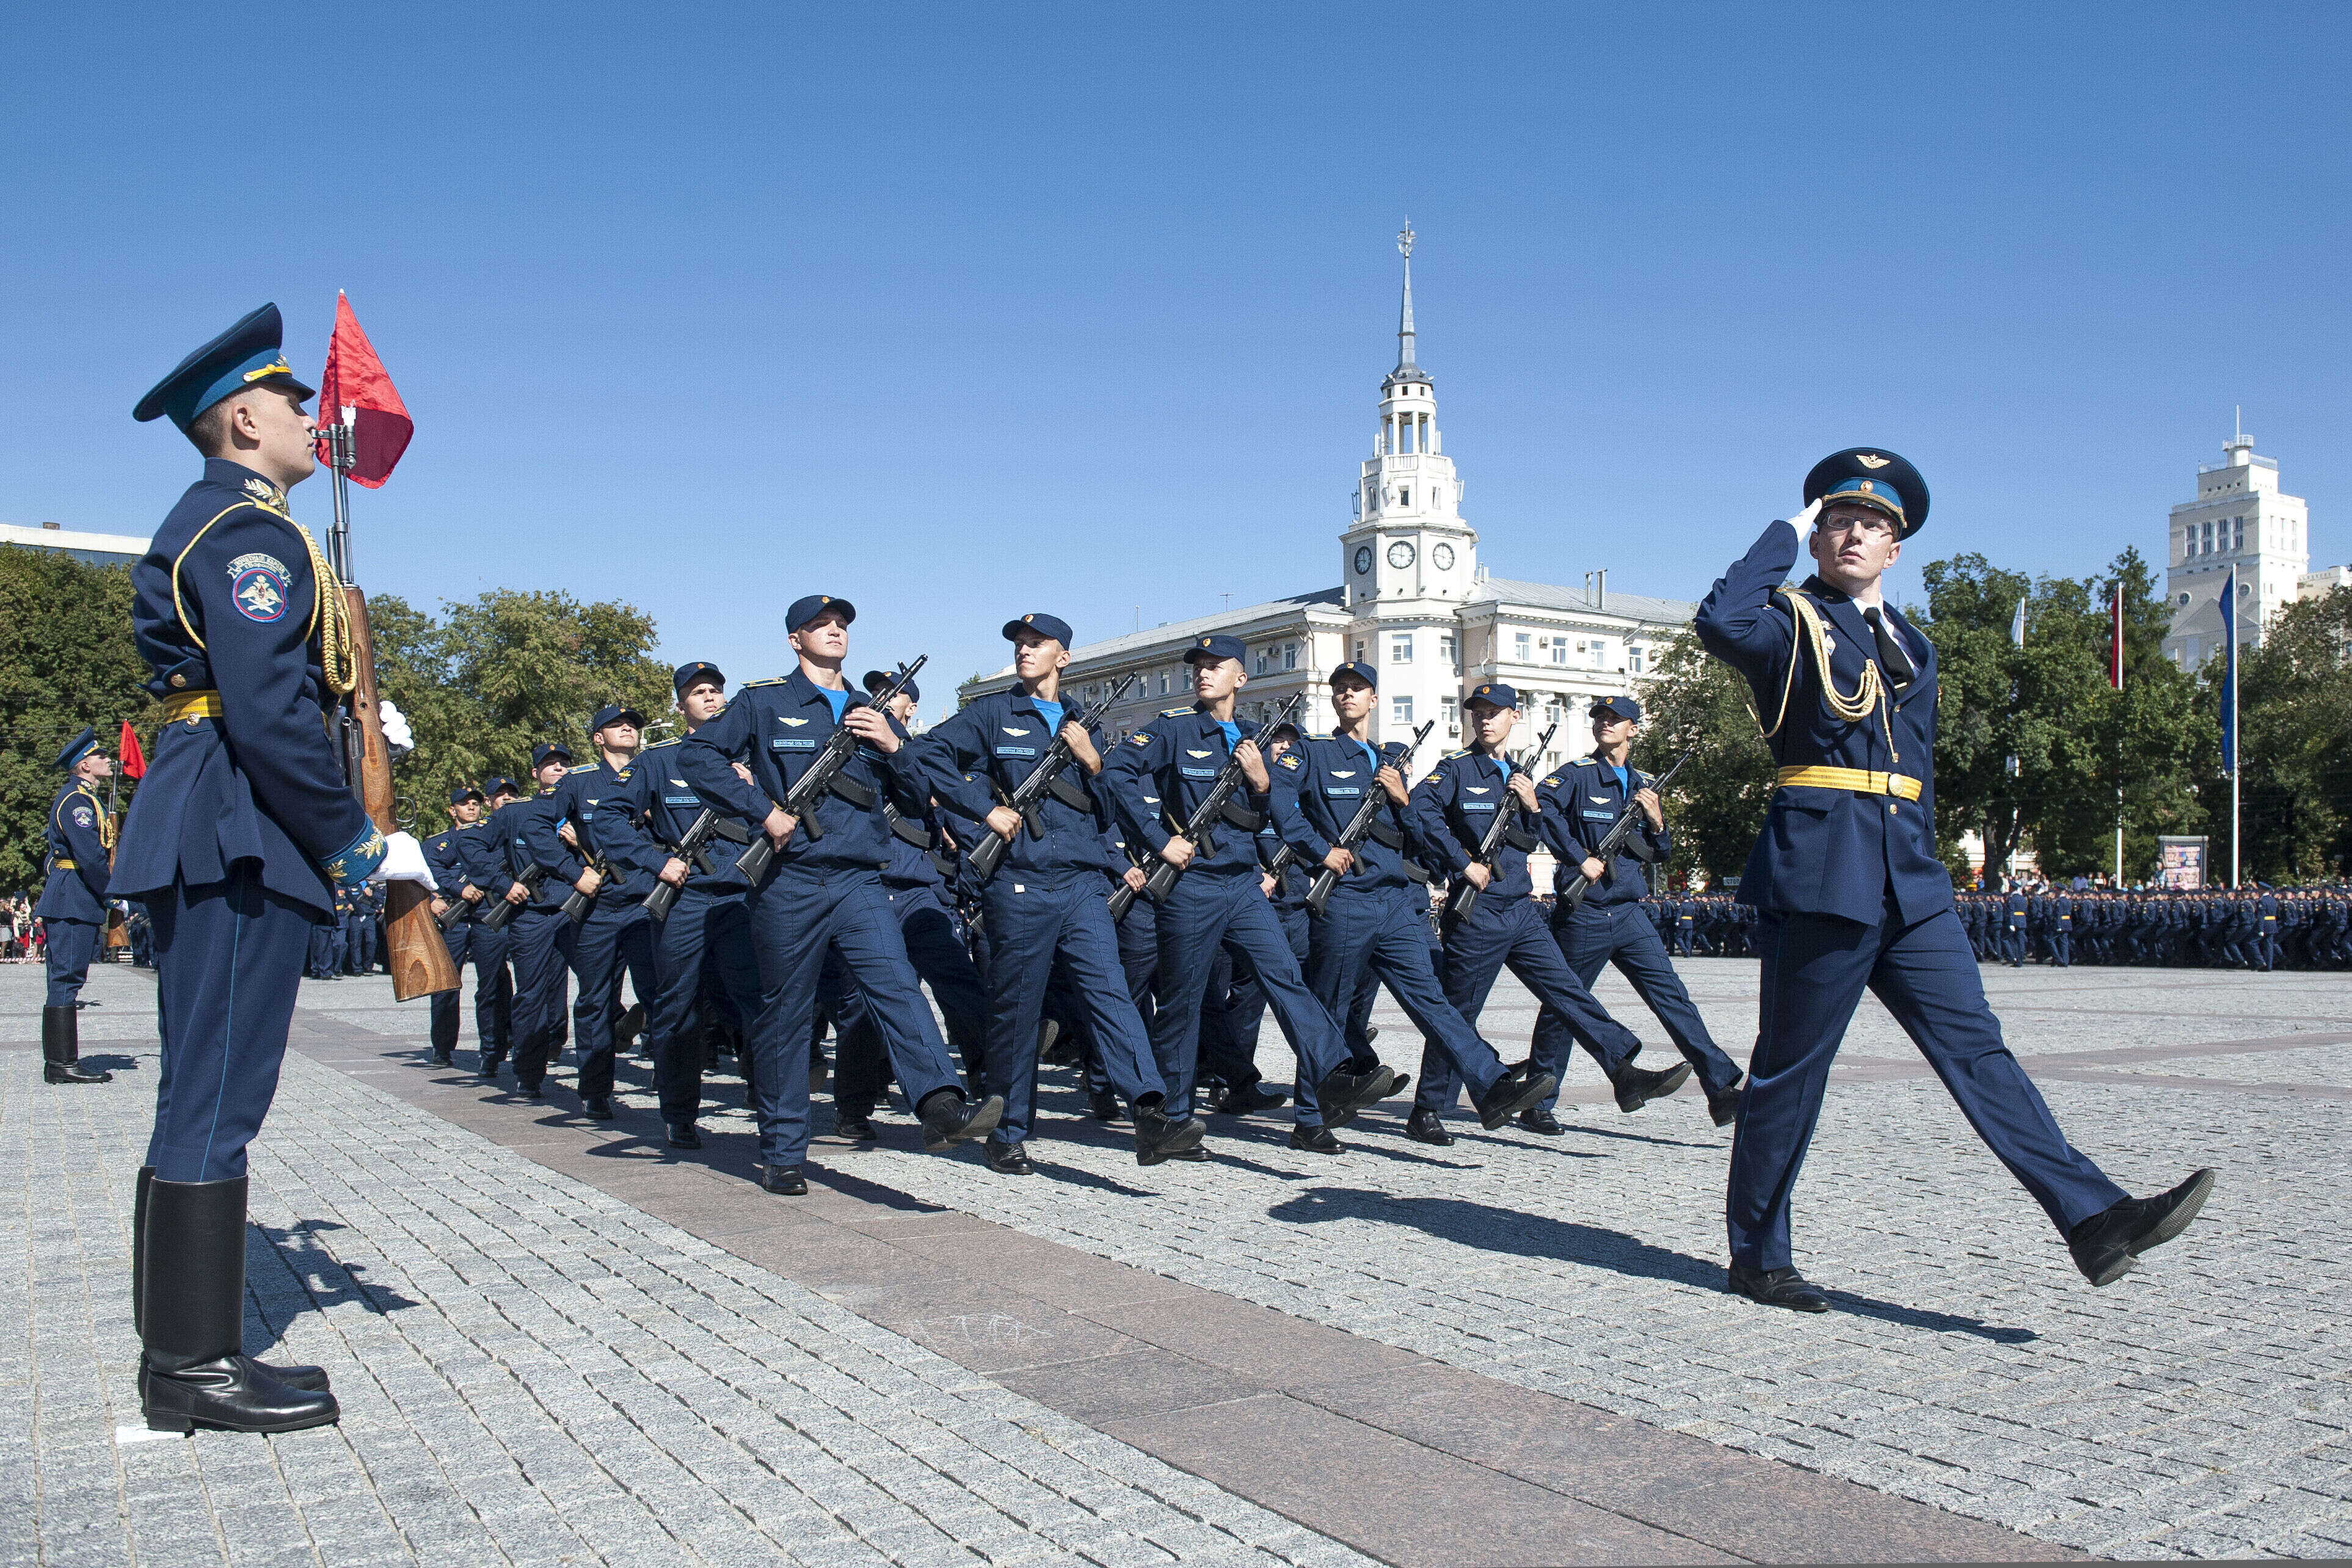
{"x": 1802, "y": 522}
{"x": 403, "y": 860}
{"x": 396, "y": 738}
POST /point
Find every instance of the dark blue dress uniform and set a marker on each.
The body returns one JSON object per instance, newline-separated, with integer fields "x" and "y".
{"x": 708, "y": 930}
{"x": 1580, "y": 804}
{"x": 539, "y": 938}
{"x": 1158, "y": 775}
{"x": 1452, "y": 809}
{"x": 239, "y": 832}
{"x": 80, "y": 840}
{"x": 1046, "y": 902}
{"x": 820, "y": 893}
{"x": 1851, "y": 895}
{"x": 464, "y": 856}
{"x": 616, "y": 930}
{"x": 1375, "y": 922}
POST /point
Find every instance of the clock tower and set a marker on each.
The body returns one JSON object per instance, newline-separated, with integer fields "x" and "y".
{"x": 1409, "y": 562}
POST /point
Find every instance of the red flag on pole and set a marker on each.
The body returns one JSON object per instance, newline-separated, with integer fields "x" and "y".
{"x": 355, "y": 382}
{"x": 2116, "y": 644}
{"x": 134, "y": 761}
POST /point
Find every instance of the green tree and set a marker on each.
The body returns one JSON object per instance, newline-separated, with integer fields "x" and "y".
{"x": 2295, "y": 701}
{"x": 1697, "y": 704}
{"x": 67, "y": 659}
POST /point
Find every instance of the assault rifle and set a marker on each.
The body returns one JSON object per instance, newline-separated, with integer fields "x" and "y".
{"x": 532, "y": 875}
{"x": 1572, "y": 895}
{"x": 823, "y": 778}
{"x": 1504, "y": 830}
{"x": 693, "y": 849}
{"x": 1028, "y": 796}
{"x": 576, "y": 905}
{"x": 1365, "y": 820}
{"x": 448, "y": 918}
{"x": 1215, "y": 806}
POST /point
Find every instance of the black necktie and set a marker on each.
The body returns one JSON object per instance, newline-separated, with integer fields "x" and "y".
{"x": 1891, "y": 656}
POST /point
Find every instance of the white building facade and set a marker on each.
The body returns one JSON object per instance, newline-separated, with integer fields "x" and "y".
{"x": 1413, "y": 600}
{"x": 2240, "y": 518}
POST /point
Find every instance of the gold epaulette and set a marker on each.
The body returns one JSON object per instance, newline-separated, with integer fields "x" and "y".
{"x": 770, "y": 680}
{"x": 1177, "y": 712}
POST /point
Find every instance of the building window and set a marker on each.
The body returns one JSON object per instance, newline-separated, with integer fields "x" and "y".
{"x": 1401, "y": 648}
{"x": 1633, "y": 658}
{"x": 1449, "y": 650}
{"x": 1290, "y": 656}
{"x": 1359, "y": 649}
{"x": 1404, "y": 495}
{"x": 1452, "y": 709}
{"x": 1599, "y": 651}
{"x": 2238, "y": 533}
{"x": 1401, "y": 709}
{"x": 1519, "y": 641}
{"x": 1560, "y": 650}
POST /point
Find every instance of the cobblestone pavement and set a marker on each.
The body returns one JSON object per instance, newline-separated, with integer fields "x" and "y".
{"x": 531, "y": 1372}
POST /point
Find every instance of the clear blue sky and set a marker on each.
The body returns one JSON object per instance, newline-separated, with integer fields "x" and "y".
{"x": 962, "y": 312}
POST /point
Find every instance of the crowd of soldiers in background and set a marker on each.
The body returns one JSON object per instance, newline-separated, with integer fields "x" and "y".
{"x": 2257, "y": 927}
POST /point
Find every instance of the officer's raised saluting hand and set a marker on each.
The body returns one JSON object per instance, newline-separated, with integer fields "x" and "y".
{"x": 1252, "y": 766}
{"x": 869, "y": 722}
{"x": 1803, "y": 521}
{"x": 1082, "y": 746}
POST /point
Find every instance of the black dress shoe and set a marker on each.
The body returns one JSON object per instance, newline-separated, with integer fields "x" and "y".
{"x": 1103, "y": 1106}
{"x": 1344, "y": 1092}
{"x": 1315, "y": 1141}
{"x": 1777, "y": 1288}
{"x": 950, "y": 1119}
{"x": 1157, "y": 1137}
{"x": 1427, "y": 1126}
{"x": 1536, "y": 1119}
{"x": 785, "y": 1181}
{"x": 1637, "y": 1086}
{"x": 1516, "y": 1091}
{"x": 1007, "y": 1159}
{"x": 1723, "y": 1104}
{"x": 1247, "y": 1101}
{"x": 531, "y": 1090}
{"x": 2105, "y": 1244}
{"x": 442, "y": 1059}
{"x": 684, "y": 1135}
{"x": 489, "y": 1068}
{"x": 856, "y": 1129}
{"x": 599, "y": 1106}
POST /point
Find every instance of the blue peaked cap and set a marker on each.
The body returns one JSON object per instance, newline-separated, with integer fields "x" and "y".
{"x": 248, "y": 354}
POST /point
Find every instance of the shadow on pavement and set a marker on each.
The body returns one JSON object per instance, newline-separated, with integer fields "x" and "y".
{"x": 326, "y": 1280}
{"x": 1536, "y": 1235}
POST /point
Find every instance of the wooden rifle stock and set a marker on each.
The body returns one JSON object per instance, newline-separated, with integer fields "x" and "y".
{"x": 417, "y": 953}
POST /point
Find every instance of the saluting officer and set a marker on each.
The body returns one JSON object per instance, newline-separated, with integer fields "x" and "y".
{"x": 1374, "y": 923}
{"x": 73, "y": 903}
{"x": 1581, "y": 803}
{"x": 239, "y": 833}
{"x": 1158, "y": 776}
{"x": 643, "y": 825}
{"x": 540, "y": 939}
{"x": 456, "y": 859}
{"x": 1453, "y": 809}
{"x": 824, "y": 893}
{"x": 1851, "y": 894}
{"x": 1046, "y": 902}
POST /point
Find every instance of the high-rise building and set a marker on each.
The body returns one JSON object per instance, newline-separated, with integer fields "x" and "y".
{"x": 1413, "y": 600}
{"x": 2240, "y": 518}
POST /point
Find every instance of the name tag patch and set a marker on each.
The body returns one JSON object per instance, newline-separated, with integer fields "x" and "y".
{"x": 791, "y": 743}
{"x": 1016, "y": 751}
{"x": 1199, "y": 772}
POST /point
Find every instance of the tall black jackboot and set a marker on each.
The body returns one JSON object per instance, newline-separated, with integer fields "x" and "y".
{"x": 195, "y": 1372}
{"x": 297, "y": 1374}
{"x": 61, "y": 1049}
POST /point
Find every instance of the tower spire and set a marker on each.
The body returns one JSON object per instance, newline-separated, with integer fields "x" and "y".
{"x": 1404, "y": 322}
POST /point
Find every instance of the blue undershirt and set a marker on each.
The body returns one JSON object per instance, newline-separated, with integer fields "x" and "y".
{"x": 1050, "y": 712}
{"x": 1233, "y": 734}
{"x": 839, "y": 699}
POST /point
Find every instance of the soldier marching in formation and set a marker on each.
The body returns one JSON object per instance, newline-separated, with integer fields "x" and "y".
{"x": 797, "y": 851}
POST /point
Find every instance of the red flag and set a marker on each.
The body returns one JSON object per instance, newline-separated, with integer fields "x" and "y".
{"x": 2115, "y": 648}
{"x": 355, "y": 380}
{"x": 134, "y": 761}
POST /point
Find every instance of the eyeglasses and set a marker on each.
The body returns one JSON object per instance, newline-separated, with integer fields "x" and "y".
{"x": 1852, "y": 524}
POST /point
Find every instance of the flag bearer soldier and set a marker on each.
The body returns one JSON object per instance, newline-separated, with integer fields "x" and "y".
{"x": 1581, "y": 803}
{"x": 1851, "y": 893}
{"x": 238, "y": 835}
{"x": 708, "y": 934}
{"x": 73, "y": 903}
{"x": 1046, "y": 902}
{"x": 825, "y": 893}
{"x": 617, "y": 929}
{"x": 915, "y": 883}
{"x": 1374, "y": 923}
{"x": 461, "y": 860}
{"x": 540, "y": 937}
{"x": 1158, "y": 777}
{"x": 1453, "y": 809}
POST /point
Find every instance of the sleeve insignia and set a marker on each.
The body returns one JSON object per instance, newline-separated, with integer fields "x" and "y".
{"x": 81, "y": 816}
{"x": 258, "y": 584}
{"x": 1289, "y": 762}
{"x": 1140, "y": 738}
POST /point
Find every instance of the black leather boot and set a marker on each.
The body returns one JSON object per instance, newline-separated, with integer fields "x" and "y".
{"x": 61, "y": 1049}
{"x": 1344, "y": 1092}
{"x": 1158, "y": 1138}
{"x": 195, "y": 1372}
{"x": 950, "y": 1119}
{"x": 1516, "y": 1091}
{"x": 295, "y": 1375}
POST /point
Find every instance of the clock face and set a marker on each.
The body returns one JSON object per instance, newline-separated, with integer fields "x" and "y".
{"x": 1400, "y": 555}
{"x": 1441, "y": 556}
{"x": 1363, "y": 558}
